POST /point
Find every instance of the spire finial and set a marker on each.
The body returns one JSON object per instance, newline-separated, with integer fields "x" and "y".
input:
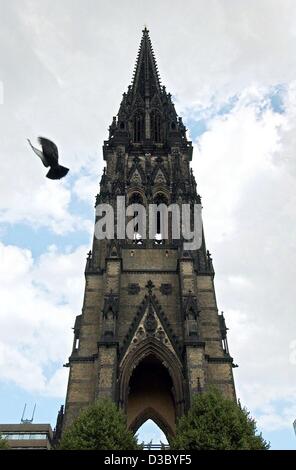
{"x": 146, "y": 68}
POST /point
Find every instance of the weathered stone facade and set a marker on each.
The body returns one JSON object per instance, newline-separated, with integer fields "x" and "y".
{"x": 150, "y": 335}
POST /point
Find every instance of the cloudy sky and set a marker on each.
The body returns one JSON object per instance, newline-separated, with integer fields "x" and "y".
{"x": 231, "y": 68}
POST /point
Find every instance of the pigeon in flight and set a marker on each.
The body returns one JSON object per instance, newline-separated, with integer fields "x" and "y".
{"x": 50, "y": 158}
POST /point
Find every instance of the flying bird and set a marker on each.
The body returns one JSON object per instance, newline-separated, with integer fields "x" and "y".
{"x": 50, "y": 158}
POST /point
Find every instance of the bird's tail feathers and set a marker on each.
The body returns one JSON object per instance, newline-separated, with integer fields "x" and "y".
{"x": 57, "y": 172}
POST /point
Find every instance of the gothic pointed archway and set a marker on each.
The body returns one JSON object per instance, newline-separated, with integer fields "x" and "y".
{"x": 152, "y": 414}
{"x": 151, "y": 386}
{"x": 152, "y": 435}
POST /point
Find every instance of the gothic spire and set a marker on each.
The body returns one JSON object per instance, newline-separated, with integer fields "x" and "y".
{"x": 147, "y": 115}
{"x": 146, "y": 79}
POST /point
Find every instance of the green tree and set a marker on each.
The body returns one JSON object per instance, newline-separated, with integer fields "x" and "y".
{"x": 101, "y": 426}
{"x": 3, "y": 443}
{"x": 217, "y": 423}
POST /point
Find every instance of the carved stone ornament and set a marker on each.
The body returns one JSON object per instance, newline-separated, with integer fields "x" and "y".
{"x": 150, "y": 322}
{"x": 133, "y": 288}
{"x": 166, "y": 289}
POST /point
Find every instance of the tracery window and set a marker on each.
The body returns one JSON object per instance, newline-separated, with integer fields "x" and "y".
{"x": 155, "y": 124}
{"x": 138, "y": 127}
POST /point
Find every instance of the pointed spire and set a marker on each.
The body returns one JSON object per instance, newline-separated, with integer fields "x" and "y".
{"x": 147, "y": 114}
{"x": 146, "y": 79}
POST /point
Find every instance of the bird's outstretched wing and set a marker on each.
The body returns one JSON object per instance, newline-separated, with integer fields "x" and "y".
{"x": 50, "y": 150}
{"x": 39, "y": 153}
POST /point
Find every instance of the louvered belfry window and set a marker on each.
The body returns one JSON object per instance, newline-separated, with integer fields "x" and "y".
{"x": 156, "y": 126}
{"x": 138, "y": 127}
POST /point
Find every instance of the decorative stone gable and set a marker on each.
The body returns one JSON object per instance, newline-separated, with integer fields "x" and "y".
{"x": 149, "y": 326}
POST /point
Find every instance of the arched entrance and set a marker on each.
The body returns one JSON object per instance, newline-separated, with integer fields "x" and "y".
{"x": 150, "y": 396}
{"x": 151, "y": 386}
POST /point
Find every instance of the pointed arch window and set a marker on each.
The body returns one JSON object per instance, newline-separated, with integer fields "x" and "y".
{"x": 159, "y": 198}
{"x": 155, "y": 124}
{"x": 192, "y": 323}
{"x": 109, "y": 323}
{"x": 136, "y": 198}
{"x": 138, "y": 127}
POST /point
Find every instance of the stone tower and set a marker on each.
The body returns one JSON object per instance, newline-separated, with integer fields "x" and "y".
{"x": 149, "y": 336}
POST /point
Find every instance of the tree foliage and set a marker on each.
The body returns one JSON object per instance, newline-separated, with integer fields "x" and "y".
{"x": 217, "y": 423}
{"x": 101, "y": 426}
{"x": 3, "y": 443}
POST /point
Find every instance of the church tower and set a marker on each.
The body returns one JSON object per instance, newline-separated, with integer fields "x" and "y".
{"x": 149, "y": 336}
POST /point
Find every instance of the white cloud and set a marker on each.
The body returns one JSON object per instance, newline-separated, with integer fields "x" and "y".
{"x": 38, "y": 205}
{"x": 249, "y": 189}
{"x": 86, "y": 187}
{"x": 274, "y": 420}
{"x": 39, "y": 301}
